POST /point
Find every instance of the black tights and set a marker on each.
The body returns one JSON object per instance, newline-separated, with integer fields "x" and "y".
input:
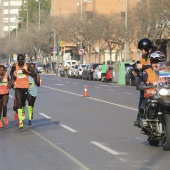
{"x": 31, "y": 100}
{"x": 21, "y": 96}
{"x": 3, "y": 104}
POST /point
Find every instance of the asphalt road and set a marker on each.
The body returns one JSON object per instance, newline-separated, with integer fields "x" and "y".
{"x": 72, "y": 132}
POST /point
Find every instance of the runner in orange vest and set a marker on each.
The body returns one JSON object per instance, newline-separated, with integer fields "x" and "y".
{"x": 4, "y": 95}
{"x": 19, "y": 73}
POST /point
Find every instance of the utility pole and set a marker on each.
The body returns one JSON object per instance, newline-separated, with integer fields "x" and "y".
{"x": 125, "y": 38}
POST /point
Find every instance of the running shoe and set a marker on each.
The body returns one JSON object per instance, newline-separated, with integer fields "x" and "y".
{"x": 30, "y": 122}
{"x": 5, "y": 121}
{"x": 1, "y": 124}
{"x": 21, "y": 125}
{"x": 16, "y": 116}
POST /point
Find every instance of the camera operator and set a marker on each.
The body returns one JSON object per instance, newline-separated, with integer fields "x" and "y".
{"x": 146, "y": 48}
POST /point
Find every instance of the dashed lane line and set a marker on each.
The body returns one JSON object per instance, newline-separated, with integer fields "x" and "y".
{"x": 105, "y": 148}
{"x": 103, "y": 101}
{"x": 110, "y": 90}
{"x": 44, "y": 115}
{"x": 68, "y": 128}
{"x": 127, "y": 92}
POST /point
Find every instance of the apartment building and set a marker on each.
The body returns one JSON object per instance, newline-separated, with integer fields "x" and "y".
{"x": 9, "y": 16}
{"x": 65, "y": 7}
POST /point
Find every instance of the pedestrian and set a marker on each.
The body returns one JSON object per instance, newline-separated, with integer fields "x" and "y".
{"x": 146, "y": 48}
{"x": 66, "y": 67}
{"x": 103, "y": 72}
{"x": 19, "y": 73}
{"x": 4, "y": 95}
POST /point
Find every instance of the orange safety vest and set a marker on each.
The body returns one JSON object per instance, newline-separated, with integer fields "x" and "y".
{"x": 145, "y": 62}
{"x": 21, "y": 79}
{"x": 3, "y": 85}
{"x": 152, "y": 78}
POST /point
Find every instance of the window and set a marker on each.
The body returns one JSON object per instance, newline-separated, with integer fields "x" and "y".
{"x": 15, "y": 3}
{"x": 6, "y": 11}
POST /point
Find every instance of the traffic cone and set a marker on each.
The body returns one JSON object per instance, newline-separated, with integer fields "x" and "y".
{"x": 86, "y": 92}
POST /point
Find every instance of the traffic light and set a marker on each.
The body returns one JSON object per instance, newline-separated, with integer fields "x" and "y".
{"x": 19, "y": 24}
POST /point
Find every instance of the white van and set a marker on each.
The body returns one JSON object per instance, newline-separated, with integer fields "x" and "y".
{"x": 69, "y": 63}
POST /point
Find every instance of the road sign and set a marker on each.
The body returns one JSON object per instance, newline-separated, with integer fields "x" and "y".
{"x": 62, "y": 43}
{"x": 55, "y": 50}
{"x": 81, "y": 51}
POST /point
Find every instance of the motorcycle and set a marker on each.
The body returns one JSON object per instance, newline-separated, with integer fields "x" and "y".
{"x": 155, "y": 110}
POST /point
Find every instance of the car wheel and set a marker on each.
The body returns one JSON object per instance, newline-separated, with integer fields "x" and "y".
{"x": 130, "y": 82}
{"x": 89, "y": 77}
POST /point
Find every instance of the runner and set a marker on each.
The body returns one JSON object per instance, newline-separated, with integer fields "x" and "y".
{"x": 19, "y": 73}
{"x": 4, "y": 95}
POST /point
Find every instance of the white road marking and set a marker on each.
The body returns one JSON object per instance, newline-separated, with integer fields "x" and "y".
{"x": 59, "y": 84}
{"x": 110, "y": 90}
{"x": 107, "y": 85}
{"x": 105, "y": 148}
{"x": 44, "y": 115}
{"x": 67, "y": 82}
{"x": 97, "y": 87}
{"x": 74, "y": 83}
{"x": 103, "y": 101}
{"x": 68, "y": 128}
{"x": 127, "y": 93}
{"x": 10, "y": 96}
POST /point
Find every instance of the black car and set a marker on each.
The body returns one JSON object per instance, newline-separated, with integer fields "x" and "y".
{"x": 129, "y": 77}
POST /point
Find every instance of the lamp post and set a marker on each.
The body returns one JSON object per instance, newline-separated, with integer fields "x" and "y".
{"x": 125, "y": 39}
{"x": 39, "y": 8}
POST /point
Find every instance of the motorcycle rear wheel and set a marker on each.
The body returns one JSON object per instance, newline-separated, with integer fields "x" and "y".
{"x": 166, "y": 128}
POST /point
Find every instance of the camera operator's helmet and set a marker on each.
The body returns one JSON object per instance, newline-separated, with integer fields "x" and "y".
{"x": 145, "y": 43}
{"x": 157, "y": 56}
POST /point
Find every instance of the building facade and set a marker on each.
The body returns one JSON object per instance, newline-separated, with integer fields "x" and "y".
{"x": 9, "y": 15}
{"x": 61, "y": 8}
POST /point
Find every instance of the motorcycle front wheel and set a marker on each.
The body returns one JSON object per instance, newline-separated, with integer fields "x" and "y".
{"x": 166, "y": 128}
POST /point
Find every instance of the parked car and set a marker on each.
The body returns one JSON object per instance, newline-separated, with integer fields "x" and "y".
{"x": 39, "y": 68}
{"x": 70, "y": 71}
{"x": 85, "y": 72}
{"x": 75, "y": 70}
{"x": 129, "y": 77}
{"x": 92, "y": 67}
{"x": 97, "y": 73}
{"x": 79, "y": 70}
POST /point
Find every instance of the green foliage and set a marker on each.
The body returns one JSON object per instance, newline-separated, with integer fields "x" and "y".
{"x": 33, "y": 10}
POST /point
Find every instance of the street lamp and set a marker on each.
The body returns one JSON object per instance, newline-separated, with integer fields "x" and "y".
{"x": 125, "y": 39}
{"x": 39, "y": 7}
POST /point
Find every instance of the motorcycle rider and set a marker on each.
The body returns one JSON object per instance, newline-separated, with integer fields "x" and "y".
{"x": 149, "y": 78}
{"x": 146, "y": 48}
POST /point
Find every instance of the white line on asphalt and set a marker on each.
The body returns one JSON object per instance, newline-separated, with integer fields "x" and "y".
{"x": 110, "y": 90}
{"x": 105, "y": 148}
{"x": 59, "y": 84}
{"x": 97, "y": 87}
{"x": 44, "y": 115}
{"x": 74, "y": 83}
{"x": 107, "y": 85}
{"x": 68, "y": 128}
{"x": 67, "y": 82}
{"x": 103, "y": 101}
{"x": 127, "y": 93}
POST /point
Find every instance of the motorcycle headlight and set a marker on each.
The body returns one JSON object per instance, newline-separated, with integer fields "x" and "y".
{"x": 163, "y": 92}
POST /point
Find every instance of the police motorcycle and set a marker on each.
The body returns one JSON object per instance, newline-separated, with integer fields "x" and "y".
{"x": 155, "y": 110}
